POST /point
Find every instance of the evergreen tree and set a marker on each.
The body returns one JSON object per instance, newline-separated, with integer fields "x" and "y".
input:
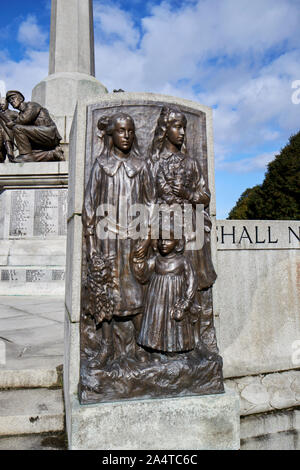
{"x": 278, "y": 197}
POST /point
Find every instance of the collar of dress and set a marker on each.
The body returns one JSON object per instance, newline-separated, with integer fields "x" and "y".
{"x": 166, "y": 154}
{"x": 112, "y": 163}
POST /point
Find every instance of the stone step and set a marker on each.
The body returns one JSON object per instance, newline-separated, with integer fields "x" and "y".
{"x": 56, "y": 441}
{"x": 31, "y": 341}
{"x": 31, "y": 378}
{"x": 32, "y": 411}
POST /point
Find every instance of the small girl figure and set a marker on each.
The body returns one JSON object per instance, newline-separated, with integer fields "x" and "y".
{"x": 167, "y": 321}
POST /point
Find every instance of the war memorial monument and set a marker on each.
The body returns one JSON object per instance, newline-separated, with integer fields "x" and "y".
{"x": 154, "y": 285}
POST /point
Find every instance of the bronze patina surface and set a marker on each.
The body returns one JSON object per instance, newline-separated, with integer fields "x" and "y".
{"x": 146, "y": 316}
{"x": 6, "y": 134}
{"x": 31, "y": 129}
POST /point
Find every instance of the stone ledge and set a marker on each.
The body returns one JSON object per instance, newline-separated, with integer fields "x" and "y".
{"x": 29, "y": 378}
{"x": 276, "y": 430}
{"x": 47, "y": 441}
{"x": 42, "y": 174}
{"x": 263, "y": 424}
{"x": 206, "y": 422}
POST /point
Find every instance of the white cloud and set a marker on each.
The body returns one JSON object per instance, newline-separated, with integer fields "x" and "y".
{"x": 24, "y": 74}
{"x": 115, "y": 23}
{"x": 27, "y": 73}
{"x": 30, "y": 34}
{"x": 246, "y": 165}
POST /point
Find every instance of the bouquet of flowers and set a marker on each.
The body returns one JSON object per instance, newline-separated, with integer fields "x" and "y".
{"x": 172, "y": 171}
{"x": 100, "y": 289}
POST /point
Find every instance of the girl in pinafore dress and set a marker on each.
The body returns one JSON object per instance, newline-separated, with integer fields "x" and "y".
{"x": 167, "y": 322}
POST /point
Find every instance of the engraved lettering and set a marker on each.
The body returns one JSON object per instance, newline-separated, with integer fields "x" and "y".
{"x": 295, "y": 235}
{"x": 227, "y": 234}
{"x": 247, "y": 236}
{"x": 270, "y": 236}
{"x": 256, "y": 236}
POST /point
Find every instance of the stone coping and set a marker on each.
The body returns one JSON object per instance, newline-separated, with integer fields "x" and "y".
{"x": 42, "y": 174}
{"x": 257, "y": 234}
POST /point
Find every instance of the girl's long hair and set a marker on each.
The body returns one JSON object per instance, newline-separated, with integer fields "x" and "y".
{"x": 168, "y": 115}
{"x": 106, "y": 126}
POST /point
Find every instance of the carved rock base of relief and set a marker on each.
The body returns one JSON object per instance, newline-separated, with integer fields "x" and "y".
{"x": 154, "y": 374}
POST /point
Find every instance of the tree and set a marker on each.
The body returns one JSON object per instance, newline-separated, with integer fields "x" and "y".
{"x": 244, "y": 206}
{"x": 278, "y": 197}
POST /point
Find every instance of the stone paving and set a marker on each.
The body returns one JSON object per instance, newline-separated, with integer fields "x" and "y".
{"x": 31, "y": 340}
{"x": 31, "y": 358}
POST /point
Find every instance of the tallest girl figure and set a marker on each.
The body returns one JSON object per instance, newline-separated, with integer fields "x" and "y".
{"x": 119, "y": 179}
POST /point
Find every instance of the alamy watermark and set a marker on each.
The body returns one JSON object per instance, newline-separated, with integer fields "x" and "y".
{"x": 140, "y": 221}
{"x": 296, "y": 94}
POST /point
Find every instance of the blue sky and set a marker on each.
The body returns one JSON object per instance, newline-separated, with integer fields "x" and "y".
{"x": 237, "y": 56}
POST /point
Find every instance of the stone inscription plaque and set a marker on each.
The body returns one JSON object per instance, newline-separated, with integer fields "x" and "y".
{"x": 32, "y": 275}
{"x": 21, "y": 221}
{"x": 32, "y": 213}
{"x": 258, "y": 234}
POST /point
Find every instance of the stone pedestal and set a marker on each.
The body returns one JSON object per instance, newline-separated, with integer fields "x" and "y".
{"x": 33, "y": 211}
{"x": 192, "y": 423}
{"x": 198, "y": 422}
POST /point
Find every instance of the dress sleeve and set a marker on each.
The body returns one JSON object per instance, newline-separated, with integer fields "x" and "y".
{"x": 91, "y": 200}
{"x": 191, "y": 281}
{"x": 149, "y": 196}
{"x": 143, "y": 269}
{"x": 29, "y": 115}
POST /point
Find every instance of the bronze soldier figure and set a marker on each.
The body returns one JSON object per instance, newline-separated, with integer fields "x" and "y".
{"x": 36, "y": 135}
{"x": 6, "y": 134}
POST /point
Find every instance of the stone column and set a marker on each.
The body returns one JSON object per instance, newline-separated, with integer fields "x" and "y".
{"x": 72, "y": 37}
{"x": 71, "y": 63}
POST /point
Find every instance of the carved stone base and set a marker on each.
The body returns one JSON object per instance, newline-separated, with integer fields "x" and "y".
{"x": 208, "y": 422}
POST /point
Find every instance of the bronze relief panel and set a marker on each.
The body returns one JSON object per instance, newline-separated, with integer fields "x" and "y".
{"x": 146, "y": 315}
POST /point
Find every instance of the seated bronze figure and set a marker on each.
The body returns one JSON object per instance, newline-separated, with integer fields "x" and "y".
{"x": 34, "y": 132}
